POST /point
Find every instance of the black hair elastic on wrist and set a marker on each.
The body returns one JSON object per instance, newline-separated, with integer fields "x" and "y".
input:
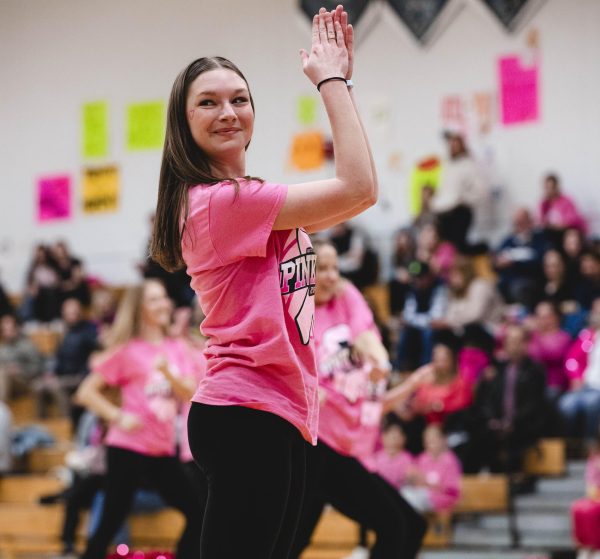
{"x": 334, "y": 78}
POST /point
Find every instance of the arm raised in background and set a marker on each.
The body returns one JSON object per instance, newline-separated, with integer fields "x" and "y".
{"x": 320, "y": 204}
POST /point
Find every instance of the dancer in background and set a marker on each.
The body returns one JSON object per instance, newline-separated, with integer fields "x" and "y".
{"x": 353, "y": 366}
{"x": 153, "y": 373}
{"x": 245, "y": 244}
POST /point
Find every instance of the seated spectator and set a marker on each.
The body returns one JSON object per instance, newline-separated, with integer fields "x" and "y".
{"x": 573, "y": 246}
{"x": 558, "y": 212}
{"x": 556, "y": 287}
{"x": 102, "y": 311}
{"x": 440, "y": 255}
{"x": 518, "y": 261}
{"x": 73, "y": 284}
{"x": 445, "y": 392}
{"x": 582, "y": 364}
{"x": 548, "y": 345}
{"x": 393, "y": 462}
{"x": 426, "y": 303}
{"x": 404, "y": 254}
{"x": 507, "y": 415}
{"x": 588, "y": 287}
{"x": 20, "y": 360}
{"x": 433, "y": 483}
{"x": 71, "y": 362}
{"x": 585, "y": 513}
{"x": 357, "y": 260}
{"x": 472, "y": 300}
{"x": 475, "y": 354}
{"x": 42, "y": 294}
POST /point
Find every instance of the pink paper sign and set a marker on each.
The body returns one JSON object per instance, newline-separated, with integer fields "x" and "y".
{"x": 54, "y": 198}
{"x": 519, "y": 91}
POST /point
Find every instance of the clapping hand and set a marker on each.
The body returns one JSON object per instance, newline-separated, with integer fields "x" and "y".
{"x": 328, "y": 55}
{"x": 348, "y": 32}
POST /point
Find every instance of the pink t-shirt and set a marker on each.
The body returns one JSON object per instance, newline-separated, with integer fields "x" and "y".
{"x": 146, "y": 393}
{"x": 350, "y": 417}
{"x": 550, "y": 350}
{"x": 256, "y": 289}
{"x": 393, "y": 468}
{"x": 445, "y": 472}
{"x": 199, "y": 370}
{"x": 592, "y": 472}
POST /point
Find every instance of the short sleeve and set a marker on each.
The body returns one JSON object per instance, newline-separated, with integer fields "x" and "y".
{"x": 241, "y": 220}
{"x": 113, "y": 368}
{"x": 190, "y": 361}
{"x": 360, "y": 317}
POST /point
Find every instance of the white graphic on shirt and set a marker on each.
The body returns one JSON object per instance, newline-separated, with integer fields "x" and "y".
{"x": 349, "y": 377}
{"x": 160, "y": 397}
{"x": 297, "y": 279}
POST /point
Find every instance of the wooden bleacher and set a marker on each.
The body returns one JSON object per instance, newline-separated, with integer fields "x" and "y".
{"x": 547, "y": 458}
{"x": 27, "y": 528}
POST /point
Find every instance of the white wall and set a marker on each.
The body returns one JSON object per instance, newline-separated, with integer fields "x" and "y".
{"x": 57, "y": 54}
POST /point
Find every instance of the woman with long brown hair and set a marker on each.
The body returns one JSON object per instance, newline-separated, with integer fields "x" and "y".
{"x": 154, "y": 373}
{"x": 244, "y": 242}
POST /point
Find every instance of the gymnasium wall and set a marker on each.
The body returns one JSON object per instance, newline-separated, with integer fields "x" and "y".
{"x": 57, "y": 54}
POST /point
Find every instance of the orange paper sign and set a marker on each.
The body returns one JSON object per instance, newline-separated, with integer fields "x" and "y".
{"x": 307, "y": 151}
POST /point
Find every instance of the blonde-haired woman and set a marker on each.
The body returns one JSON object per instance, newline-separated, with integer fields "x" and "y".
{"x": 152, "y": 372}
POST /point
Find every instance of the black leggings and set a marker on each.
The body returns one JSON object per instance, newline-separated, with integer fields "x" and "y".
{"x": 364, "y": 497}
{"x": 255, "y": 466}
{"x": 126, "y": 469}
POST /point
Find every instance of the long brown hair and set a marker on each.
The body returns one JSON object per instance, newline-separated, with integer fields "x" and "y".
{"x": 183, "y": 165}
{"x": 128, "y": 319}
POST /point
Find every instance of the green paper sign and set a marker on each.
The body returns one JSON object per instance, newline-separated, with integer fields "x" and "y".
{"x": 95, "y": 129}
{"x": 307, "y": 109}
{"x": 145, "y": 125}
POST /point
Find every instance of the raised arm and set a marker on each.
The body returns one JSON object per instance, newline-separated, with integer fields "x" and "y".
{"x": 353, "y": 189}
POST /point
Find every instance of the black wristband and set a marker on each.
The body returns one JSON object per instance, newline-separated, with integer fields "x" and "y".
{"x": 336, "y": 78}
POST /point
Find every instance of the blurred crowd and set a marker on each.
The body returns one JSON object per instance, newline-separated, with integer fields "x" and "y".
{"x": 502, "y": 339}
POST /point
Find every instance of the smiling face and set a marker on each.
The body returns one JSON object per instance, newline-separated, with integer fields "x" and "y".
{"x": 328, "y": 274}
{"x": 220, "y": 116}
{"x": 156, "y": 307}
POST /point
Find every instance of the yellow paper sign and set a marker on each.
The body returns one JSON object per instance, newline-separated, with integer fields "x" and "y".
{"x": 95, "y": 129}
{"x": 426, "y": 173}
{"x": 307, "y": 151}
{"x": 145, "y": 125}
{"x": 101, "y": 188}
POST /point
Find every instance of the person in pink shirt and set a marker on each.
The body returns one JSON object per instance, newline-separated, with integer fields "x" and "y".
{"x": 582, "y": 363}
{"x": 440, "y": 255}
{"x": 153, "y": 373}
{"x": 446, "y": 391}
{"x": 434, "y": 482}
{"x": 245, "y": 244}
{"x": 585, "y": 512}
{"x": 353, "y": 366}
{"x": 548, "y": 345}
{"x": 558, "y": 212}
{"x": 392, "y": 462}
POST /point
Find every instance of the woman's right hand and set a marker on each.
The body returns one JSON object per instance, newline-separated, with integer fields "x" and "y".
{"x": 328, "y": 54}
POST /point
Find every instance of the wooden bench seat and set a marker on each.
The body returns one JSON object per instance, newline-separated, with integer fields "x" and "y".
{"x": 547, "y": 458}
{"x": 27, "y": 488}
{"x": 483, "y": 493}
{"x": 27, "y": 528}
